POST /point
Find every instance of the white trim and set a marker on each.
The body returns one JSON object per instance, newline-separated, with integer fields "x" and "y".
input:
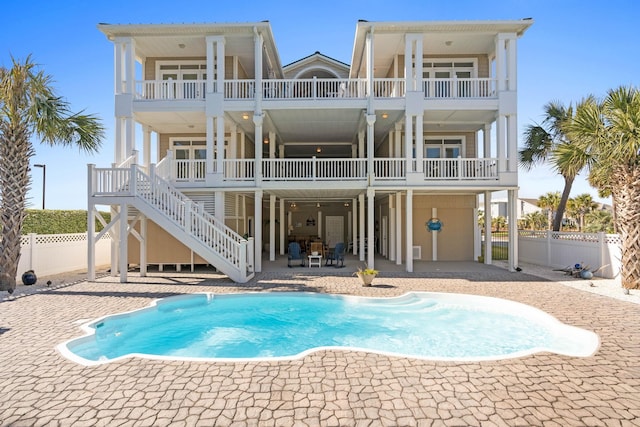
{"x": 463, "y": 143}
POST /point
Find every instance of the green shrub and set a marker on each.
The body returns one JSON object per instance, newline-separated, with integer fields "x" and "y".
{"x": 58, "y": 221}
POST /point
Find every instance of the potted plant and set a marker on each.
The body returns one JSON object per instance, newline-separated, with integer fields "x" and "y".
{"x": 366, "y": 275}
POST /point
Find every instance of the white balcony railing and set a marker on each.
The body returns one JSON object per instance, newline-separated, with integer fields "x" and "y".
{"x": 460, "y": 169}
{"x": 314, "y": 169}
{"x": 313, "y": 89}
{"x": 460, "y": 88}
{"x": 170, "y": 89}
{"x": 388, "y": 88}
{"x": 190, "y": 170}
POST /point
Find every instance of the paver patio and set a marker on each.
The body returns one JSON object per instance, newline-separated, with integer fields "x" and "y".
{"x": 333, "y": 388}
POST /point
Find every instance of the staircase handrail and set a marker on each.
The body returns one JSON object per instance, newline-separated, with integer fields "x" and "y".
{"x": 188, "y": 215}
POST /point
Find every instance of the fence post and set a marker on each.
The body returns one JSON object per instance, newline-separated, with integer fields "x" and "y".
{"x": 548, "y": 248}
{"x": 32, "y": 252}
{"x": 601, "y": 246}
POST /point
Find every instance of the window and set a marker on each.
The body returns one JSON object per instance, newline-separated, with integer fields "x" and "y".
{"x": 190, "y": 156}
{"x": 439, "y": 76}
{"x": 443, "y": 148}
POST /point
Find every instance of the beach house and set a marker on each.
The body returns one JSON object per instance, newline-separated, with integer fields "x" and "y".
{"x": 223, "y": 155}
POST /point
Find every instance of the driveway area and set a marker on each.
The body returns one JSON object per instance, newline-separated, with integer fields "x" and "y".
{"x": 39, "y": 387}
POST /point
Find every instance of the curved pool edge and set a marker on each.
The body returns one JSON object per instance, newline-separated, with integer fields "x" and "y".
{"x": 542, "y": 316}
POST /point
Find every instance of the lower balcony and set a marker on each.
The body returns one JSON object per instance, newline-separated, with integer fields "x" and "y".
{"x": 384, "y": 171}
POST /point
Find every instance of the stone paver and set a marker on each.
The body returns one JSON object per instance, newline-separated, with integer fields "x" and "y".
{"x": 39, "y": 387}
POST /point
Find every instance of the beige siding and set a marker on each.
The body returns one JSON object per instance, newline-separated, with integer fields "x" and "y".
{"x": 150, "y": 66}
{"x": 455, "y": 241}
{"x": 162, "y": 248}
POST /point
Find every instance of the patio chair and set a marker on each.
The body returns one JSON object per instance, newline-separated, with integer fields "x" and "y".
{"x": 295, "y": 253}
{"x": 336, "y": 255}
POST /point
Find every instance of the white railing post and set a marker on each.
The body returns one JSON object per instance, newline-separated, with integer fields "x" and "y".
{"x": 187, "y": 216}
{"x": 133, "y": 184}
{"x": 313, "y": 168}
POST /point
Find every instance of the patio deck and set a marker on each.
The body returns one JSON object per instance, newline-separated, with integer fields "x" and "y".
{"x": 339, "y": 388}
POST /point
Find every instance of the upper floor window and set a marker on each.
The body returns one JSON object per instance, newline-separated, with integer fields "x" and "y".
{"x": 443, "y": 148}
{"x": 181, "y": 70}
{"x": 448, "y": 68}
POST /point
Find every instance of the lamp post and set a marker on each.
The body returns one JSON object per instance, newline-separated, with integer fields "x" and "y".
{"x": 44, "y": 180}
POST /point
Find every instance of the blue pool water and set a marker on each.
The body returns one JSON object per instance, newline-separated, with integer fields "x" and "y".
{"x": 285, "y": 325}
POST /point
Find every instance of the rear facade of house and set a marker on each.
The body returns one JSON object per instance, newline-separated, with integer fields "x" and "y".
{"x": 223, "y": 155}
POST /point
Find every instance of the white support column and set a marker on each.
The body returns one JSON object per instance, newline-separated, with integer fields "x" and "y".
{"x": 282, "y": 227}
{"x": 487, "y": 228}
{"x": 500, "y": 62}
{"x": 130, "y": 66}
{"x": 220, "y": 144}
{"x": 500, "y": 142}
{"x": 210, "y": 42}
{"x": 408, "y": 142}
{"x": 512, "y": 206}
{"x": 124, "y": 237}
{"x": 512, "y": 143}
{"x": 361, "y": 145}
{"x": 91, "y": 227}
{"x": 257, "y": 214}
{"x": 486, "y": 134}
{"x": 118, "y": 154}
{"x": 371, "y": 237}
{"x": 210, "y": 143}
{"x": 409, "y": 233}
{"x": 409, "y": 64}
{"x": 272, "y": 227}
{"x": 354, "y": 218}
{"x": 233, "y": 142}
{"x": 143, "y": 246}
{"x": 371, "y": 119}
{"x": 392, "y": 227}
{"x": 257, "y": 121}
{"x": 118, "y": 61}
{"x": 272, "y": 145}
{"x": 511, "y": 63}
{"x": 398, "y": 228}
{"x": 418, "y": 54}
{"x": 220, "y": 66}
{"x": 257, "y": 54}
{"x": 219, "y": 202}
{"x": 398, "y": 140}
{"x": 115, "y": 242}
{"x": 419, "y": 143}
{"x": 369, "y": 64}
{"x": 477, "y": 243}
{"x": 146, "y": 145}
{"x": 434, "y": 238}
{"x": 130, "y": 136}
{"x": 362, "y": 234}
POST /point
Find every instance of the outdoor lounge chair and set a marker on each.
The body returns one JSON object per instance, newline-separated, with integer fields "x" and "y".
{"x": 295, "y": 253}
{"x": 336, "y": 255}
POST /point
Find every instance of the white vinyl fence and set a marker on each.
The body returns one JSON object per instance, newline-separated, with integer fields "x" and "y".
{"x": 48, "y": 254}
{"x": 564, "y": 249}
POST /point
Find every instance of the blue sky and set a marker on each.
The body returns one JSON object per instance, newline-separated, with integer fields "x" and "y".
{"x": 574, "y": 48}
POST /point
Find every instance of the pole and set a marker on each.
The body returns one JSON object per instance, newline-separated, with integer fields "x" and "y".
{"x": 44, "y": 181}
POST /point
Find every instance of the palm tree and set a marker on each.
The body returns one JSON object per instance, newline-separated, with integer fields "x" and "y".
{"x": 581, "y": 205}
{"x": 540, "y": 143}
{"x": 550, "y": 202}
{"x": 536, "y": 220}
{"x": 29, "y": 106}
{"x": 607, "y": 134}
{"x": 597, "y": 221}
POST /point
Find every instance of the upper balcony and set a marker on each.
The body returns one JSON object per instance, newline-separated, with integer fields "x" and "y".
{"x": 316, "y": 89}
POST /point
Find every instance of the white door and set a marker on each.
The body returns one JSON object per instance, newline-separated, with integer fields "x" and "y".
{"x": 334, "y": 232}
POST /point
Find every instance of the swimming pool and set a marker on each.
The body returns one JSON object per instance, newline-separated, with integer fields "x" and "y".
{"x": 273, "y": 326}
